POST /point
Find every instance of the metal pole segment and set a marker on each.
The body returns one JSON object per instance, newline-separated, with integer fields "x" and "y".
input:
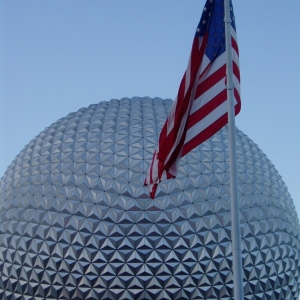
{"x": 235, "y": 220}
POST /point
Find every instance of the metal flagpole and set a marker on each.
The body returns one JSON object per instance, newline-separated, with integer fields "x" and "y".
{"x": 235, "y": 220}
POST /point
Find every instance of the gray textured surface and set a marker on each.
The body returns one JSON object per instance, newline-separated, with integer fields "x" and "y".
{"x": 77, "y": 223}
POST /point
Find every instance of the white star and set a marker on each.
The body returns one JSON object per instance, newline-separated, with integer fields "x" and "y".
{"x": 204, "y": 22}
{"x": 204, "y": 8}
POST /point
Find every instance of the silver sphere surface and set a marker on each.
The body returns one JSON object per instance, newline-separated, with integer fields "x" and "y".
{"x": 77, "y": 222}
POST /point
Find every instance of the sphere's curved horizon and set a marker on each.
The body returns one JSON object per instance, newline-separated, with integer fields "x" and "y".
{"x": 77, "y": 222}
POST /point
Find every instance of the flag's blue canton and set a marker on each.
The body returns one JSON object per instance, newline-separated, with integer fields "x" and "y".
{"x": 212, "y": 23}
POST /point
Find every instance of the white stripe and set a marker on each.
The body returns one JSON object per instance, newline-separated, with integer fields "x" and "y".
{"x": 207, "y": 121}
{"x": 215, "y": 66}
{"x": 233, "y": 34}
{"x": 235, "y": 57}
{"x": 154, "y": 173}
{"x": 173, "y": 169}
{"x": 236, "y": 84}
{"x": 205, "y": 62}
{"x": 187, "y": 76}
{"x": 208, "y": 95}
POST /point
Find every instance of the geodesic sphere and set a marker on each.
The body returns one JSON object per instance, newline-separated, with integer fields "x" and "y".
{"x": 77, "y": 222}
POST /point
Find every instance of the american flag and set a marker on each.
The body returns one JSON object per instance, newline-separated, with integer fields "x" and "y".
{"x": 200, "y": 108}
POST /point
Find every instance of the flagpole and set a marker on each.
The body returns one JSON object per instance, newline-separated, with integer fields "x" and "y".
{"x": 235, "y": 220}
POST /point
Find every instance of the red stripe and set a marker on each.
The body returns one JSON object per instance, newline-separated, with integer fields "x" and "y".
{"x": 151, "y": 168}
{"x": 176, "y": 151}
{"x": 235, "y": 45}
{"x": 170, "y": 176}
{"x": 210, "y": 81}
{"x": 236, "y": 70}
{"x": 206, "y": 109}
{"x": 153, "y": 191}
{"x": 205, "y": 134}
{"x": 163, "y": 135}
{"x": 237, "y": 107}
{"x": 160, "y": 168}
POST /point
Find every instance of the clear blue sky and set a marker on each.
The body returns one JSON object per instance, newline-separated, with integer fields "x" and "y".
{"x": 58, "y": 56}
